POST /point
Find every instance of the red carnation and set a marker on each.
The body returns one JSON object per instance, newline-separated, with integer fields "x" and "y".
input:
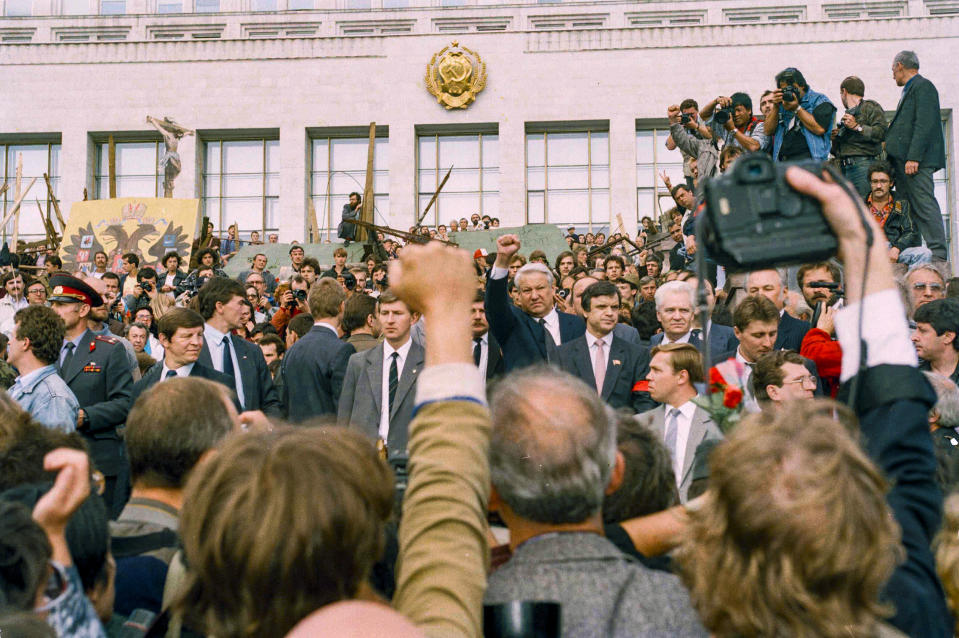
{"x": 715, "y": 378}
{"x": 732, "y": 397}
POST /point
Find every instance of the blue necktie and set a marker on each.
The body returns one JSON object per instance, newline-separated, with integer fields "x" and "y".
{"x": 228, "y": 358}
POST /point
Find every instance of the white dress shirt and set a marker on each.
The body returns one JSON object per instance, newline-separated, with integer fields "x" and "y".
{"x": 214, "y": 341}
{"x": 684, "y": 422}
{"x": 683, "y": 339}
{"x": 591, "y": 342}
{"x": 182, "y": 371}
{"x": 484, "y": 352}
{"x": 403, "y": 351}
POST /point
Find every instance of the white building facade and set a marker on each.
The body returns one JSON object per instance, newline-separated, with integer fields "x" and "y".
{"x": 569, "y": 129}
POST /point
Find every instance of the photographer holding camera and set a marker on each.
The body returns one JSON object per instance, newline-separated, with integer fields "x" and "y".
{"x": 731, "y": 120}
{"x": 858, "y": 141}
{"x": 802, "y": 120}
{"x": 291, "y": 302}
{"x": 689, "y": 118}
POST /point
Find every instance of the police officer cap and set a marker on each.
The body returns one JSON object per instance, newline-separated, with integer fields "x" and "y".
{"x": 70, "y": 289}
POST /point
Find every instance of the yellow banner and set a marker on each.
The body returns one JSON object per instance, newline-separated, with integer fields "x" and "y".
{"x": 148, "y": 227}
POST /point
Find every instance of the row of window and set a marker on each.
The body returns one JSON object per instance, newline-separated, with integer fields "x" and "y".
{"x": 24, "y": 8}
{"x": 567, "y": 177}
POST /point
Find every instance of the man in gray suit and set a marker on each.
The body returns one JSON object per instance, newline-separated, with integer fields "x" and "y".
{"x": 684, "y": 426}
{"x": 378, "y": 389}
{"x": 552, "y": 458}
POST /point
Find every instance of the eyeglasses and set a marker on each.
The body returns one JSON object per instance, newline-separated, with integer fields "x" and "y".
{"x": 37, "y": 291}
{"x": 932, "y": 287}
{"x": 807, "y": 380}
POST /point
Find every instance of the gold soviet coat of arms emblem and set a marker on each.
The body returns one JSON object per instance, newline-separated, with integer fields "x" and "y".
{"x": 455, "y": 75}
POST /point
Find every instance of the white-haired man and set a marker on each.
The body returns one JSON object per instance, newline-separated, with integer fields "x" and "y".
{"x": 675, "y": 309}
{"x": 528, "y": 334}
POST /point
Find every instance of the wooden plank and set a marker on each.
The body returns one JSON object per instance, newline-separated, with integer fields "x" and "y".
{"x": 18, "y": 183}
{"x": 366, "y": 212}
{"x": 112, "y": 166}
{"x": 314, "y": 228}
{"x": 56, "y": 204}
{"x": 16, "y": 204}
{"x": 433, "y": 198}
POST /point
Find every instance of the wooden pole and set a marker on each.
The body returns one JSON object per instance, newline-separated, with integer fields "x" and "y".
{"x": 366, "y": 213}
{"x": 18, "y": 183}
{"x": 56, "y": 204}
{"x": 112, "y": 166}
{"x": 16, "y": 204}
{"x": 433, "y": 198}
{"x": 314, "y": 228}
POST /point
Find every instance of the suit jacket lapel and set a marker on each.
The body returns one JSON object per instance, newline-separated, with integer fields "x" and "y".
{"x": 205, "y": 358}
{"x": 411, "y": 370}
{"x": 79, "y": 359}
{"x": 241, "y": 362}
{"x": 584, "y": 362}
{"x": 493, "y": 355}
{"x": 374, "y": 370}
{"x": 697, "y": 432}
{"x": 617, "y": 352}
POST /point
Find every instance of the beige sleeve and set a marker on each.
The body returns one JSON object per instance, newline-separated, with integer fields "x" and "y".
{"x": 444, "y": 556}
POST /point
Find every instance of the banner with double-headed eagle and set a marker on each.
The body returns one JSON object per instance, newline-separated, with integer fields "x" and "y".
{"x": 148, "y": 227}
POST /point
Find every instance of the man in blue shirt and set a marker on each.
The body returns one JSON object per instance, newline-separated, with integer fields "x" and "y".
{"x": 33, "y": 350}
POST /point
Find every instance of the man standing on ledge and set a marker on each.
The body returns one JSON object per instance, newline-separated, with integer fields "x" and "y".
{"x": 528, "y": 334}
{"x": 917, "y": 149}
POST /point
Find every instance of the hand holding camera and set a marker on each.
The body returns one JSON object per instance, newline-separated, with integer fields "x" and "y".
{"x": 849, "y": 120}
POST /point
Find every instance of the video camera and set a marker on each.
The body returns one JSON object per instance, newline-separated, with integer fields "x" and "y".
{"x": 753, "y": 219}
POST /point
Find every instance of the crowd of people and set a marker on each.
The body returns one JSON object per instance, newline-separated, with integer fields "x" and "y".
{"x": 434, "y": 443}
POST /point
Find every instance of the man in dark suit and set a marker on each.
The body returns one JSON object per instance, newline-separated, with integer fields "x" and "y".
{"x": 772, "y": 285}
{"x": 675, "y": 307}
{"x": 221, "y": 302}
{"x": 915, "y": 145}
{"x": 181, "y": 335}
{"x": 528, "y": 334}
{"x": 314, "y": 366}
{"x": 487, "y": 354}
{"x": 721, "y": 338}
{"x": 622, "y": 330}
{"x": 379, "y": 388}
{"x": 96, "y": 369}
{"x": 611, "y": 365}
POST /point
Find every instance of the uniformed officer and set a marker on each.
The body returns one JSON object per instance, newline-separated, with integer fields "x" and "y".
{"x": 95, "y": 367}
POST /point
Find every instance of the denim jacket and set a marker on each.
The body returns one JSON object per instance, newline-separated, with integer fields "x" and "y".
{"x": 819, "y": 145}
{"x": 47, "y": 397}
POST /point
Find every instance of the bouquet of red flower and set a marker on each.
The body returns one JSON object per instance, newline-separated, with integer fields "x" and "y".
{"x": 724, "y": 396}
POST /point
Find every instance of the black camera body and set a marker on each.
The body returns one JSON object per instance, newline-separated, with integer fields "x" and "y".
{"x": 686, "y": 118}
{"x": 753, "y": 219}
{"x": 721, "y": 116}
{"x": 146, "y": 286}
{"x": 562, "y": 293}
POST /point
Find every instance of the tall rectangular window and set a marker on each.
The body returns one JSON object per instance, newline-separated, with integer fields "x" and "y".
{"x": 241, "y": 184}
{"x": 137, "y": 172}
{"x": 75, "y": 7}
{"x": 37, "y": 160}
{"x": 338, "y": 168}
{"x": 207, "y": 6}
{"x": 652, "y": 159}
{"x": 18, "y": 8}
{"x": 113, "y": 7}
{"x": 567, "y": 178}
{"x": 264, "y": 5}
{"x": 165, "y": 6}
{"x": 473, "y": 186}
